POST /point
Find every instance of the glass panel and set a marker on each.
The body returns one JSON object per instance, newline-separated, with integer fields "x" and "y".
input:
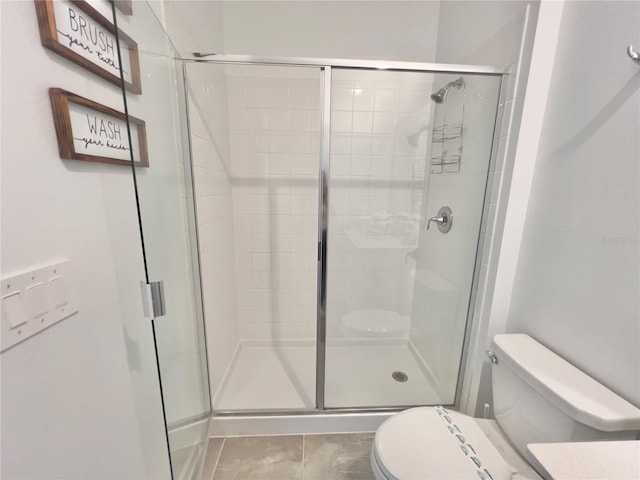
{"x": 255, "y": 136}
{"x": 398, "y": 289}
{"x": 168, "y": 223}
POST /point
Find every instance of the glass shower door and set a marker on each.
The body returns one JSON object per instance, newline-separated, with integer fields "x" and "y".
{"x": 166, "y": 215}
{"x": 399, "y": 266}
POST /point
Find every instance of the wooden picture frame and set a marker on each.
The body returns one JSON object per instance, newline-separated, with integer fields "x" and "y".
{"x": 87, "y": 130}
{"x": 78, "y": 32}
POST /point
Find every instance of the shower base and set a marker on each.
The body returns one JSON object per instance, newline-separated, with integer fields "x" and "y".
{"x": 281, "y": 376}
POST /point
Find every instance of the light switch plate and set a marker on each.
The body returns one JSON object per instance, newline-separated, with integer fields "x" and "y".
{"x": 35, "y": 300}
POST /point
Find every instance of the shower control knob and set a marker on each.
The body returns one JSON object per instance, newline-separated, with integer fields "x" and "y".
{"x": 444, "y": 220}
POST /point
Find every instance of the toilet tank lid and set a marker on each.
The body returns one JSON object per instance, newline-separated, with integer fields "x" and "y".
{"x": 571, "y": 390}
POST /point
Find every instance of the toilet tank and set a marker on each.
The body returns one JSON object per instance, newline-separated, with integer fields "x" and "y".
{"x": 541, "y": 398}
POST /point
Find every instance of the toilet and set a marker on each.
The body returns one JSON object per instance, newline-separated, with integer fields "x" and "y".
{"x": 538, "y": 398}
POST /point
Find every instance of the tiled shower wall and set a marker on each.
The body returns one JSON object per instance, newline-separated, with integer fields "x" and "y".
{"x": 378, "y": 165}
{"x": 274, "y": 121}
{"x": 212, "y": 175}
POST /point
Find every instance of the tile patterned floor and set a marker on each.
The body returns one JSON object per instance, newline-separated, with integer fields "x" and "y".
{"x": 290, "y": 457}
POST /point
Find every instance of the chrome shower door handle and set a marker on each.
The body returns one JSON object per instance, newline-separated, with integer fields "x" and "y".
{"x": 444, "y": 220}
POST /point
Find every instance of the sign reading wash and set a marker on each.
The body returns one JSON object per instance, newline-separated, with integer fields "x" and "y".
{"x": 80, "y": 33}
{"x": 87, "y": 130}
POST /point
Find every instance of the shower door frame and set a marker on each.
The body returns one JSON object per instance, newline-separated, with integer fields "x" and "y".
{"x": 326, "y": 65}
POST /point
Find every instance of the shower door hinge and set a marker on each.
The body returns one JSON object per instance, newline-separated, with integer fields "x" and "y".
{"x": 153, "y": 299}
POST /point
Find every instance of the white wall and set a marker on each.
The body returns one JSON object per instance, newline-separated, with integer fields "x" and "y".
{"x": 193, "y": 25}
{"x": 391, "y": 30}
{"x": 83, "y": 392}
{"x": 371, "y": 30}
{"x": 577, "y": 282}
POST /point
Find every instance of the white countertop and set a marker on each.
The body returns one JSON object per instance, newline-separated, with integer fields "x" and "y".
{"x": 589, "y": 460}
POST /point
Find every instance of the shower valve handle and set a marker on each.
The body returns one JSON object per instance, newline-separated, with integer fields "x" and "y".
{"x": 444, "y": 220}
{"x": 438, "y": 220}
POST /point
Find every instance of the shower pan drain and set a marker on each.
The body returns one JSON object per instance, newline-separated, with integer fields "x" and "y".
{"x": 400, "y": 376}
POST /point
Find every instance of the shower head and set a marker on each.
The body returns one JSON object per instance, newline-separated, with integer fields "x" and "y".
{"x": 441, "y": 94}
{"x": 438, "y": 97}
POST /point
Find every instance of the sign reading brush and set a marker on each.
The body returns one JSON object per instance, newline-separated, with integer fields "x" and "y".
{"x": 77, "y": 31}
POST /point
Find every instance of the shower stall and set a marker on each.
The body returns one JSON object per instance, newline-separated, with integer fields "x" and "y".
{"x": 342, "y": 284}
{"x": 329, "y": 219}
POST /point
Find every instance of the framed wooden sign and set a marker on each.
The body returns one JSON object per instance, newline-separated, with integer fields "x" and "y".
{"x": 75, "y": 30}
{"x": 89, "y": 131}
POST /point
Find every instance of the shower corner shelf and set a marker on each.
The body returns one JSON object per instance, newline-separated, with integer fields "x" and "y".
{"x": 446, "y": 132}
{"x": 445, "y": 164}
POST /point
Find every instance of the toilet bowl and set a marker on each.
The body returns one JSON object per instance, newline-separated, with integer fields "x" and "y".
{"x": 538, "y": 398}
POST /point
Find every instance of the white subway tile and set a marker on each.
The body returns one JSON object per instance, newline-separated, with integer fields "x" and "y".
{"x": 242, "y": 223}
{"x": 239, "y": 141}
{"x": 342, "y": 99}
{"x": 281, "y": 223}
{"x": 261, "y": 279}
{"x": 259, "y": 223}
{"x": 260, "y": 243}
{"x": 261, "y": 261}
{"x": 257, "y": 96}
{"x": 381, "y": 166}
{"x": 300, "y": 96}
{"x": 280, "y": 163}
{"x": 280, "y": 243}
{"x": 279, "y": 143}
{"x": 281, "y": 261}
{"x": 340, "y": 165}
{"x": 363, "y": 99}
{"x": 237, "y": 95}
{"x": 361, "y": 144}
{"x": 300, "y": 120}
{"x": 243, "y": 243}
{"x": 383, "y": 122}
{"x": 340, "y": 144}
{"x": 300, "y": 143}
{"x": 362, "y": 122}
{"x": 244, "y": 261}
{"x": 258, "y": 119}
{"x": 280, "y": 204}
{"x": 278, "y": 96}
{"x": 385, "y": 100}
{"x": 238, "y": 118}
{"x": 382, "y": 145}
{"x": 279, "y": 119}
{"x": 341, "y": 122}
{"x": 360, "y": 165}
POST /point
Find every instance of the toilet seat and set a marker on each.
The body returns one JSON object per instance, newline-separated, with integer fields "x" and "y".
{"x": 432, "y": 443}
